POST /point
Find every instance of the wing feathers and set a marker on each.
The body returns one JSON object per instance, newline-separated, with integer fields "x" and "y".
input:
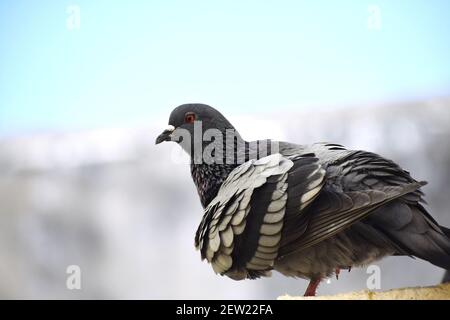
{"x": 326, "y": 221}
{"x": 257, "y": 192}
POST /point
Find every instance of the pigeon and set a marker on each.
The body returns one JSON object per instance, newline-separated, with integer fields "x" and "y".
{"x": 305, "y": 211}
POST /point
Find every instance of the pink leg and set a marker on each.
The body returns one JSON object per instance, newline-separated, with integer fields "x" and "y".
{"x": 312, "y": 287}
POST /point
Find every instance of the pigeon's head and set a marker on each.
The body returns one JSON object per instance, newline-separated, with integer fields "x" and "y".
{"x": 193, "y": 121}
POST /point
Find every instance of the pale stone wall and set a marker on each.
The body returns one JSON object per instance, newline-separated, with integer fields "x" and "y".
{"x": 439, "y": 292}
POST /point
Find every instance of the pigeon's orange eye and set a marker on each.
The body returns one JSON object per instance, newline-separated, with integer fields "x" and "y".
{"x": 189, "y": 117}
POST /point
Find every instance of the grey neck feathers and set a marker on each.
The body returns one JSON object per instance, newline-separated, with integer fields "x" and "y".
{"x": 208, "y": 176}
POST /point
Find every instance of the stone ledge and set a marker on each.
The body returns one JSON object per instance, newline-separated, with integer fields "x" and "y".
{"x": 439, "y": 292}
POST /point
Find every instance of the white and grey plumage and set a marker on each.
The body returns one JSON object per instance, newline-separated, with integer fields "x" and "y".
{"x": 305, "y": 211}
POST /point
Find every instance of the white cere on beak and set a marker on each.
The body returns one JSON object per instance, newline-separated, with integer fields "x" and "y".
{"x": 170, "y": 128}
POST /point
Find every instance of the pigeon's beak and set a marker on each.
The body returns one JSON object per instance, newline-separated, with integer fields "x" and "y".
{"x": 166, "y": 135}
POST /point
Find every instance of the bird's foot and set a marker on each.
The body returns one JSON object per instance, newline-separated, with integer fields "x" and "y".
{"x": 312, "y": 287}
{"x": 337, "y": 271}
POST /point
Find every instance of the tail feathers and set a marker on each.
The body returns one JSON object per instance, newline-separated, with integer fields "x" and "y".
{"x": 447, "y": 274}
{"x": 431, "y": 246}
{"x": 446, "y": 231}
{"x": 419, "y": 235}
{"x": 413, "y": 232}
{"x": 446, "y": 277}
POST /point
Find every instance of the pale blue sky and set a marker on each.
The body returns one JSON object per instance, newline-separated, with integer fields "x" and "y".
{"x": 132, "y": 61}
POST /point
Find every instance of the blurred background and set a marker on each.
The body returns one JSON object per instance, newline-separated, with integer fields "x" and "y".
{"x": 85, "y": 87}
